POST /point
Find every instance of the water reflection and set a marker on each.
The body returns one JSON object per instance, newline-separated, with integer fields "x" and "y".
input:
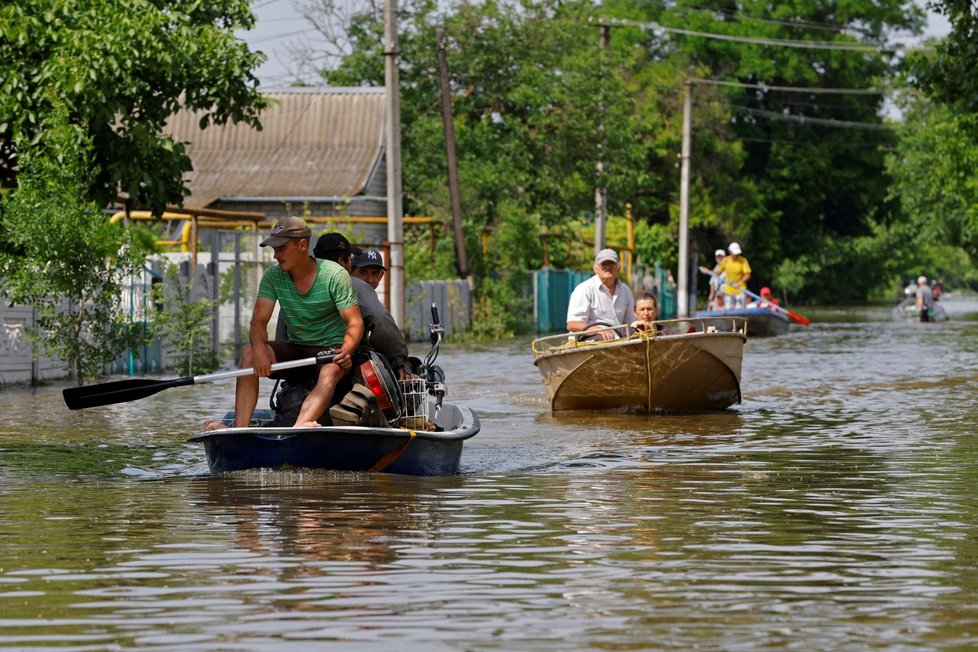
{"x": 833, "y": 509}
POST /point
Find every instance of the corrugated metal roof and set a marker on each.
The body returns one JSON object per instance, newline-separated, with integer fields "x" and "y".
{"x": 318, "y": 143}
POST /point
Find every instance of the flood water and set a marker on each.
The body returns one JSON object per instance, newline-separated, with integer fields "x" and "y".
{"x": 835, "y": 508}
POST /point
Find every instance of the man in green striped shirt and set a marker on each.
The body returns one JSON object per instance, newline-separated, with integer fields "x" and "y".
{"x": 317, "y": 299}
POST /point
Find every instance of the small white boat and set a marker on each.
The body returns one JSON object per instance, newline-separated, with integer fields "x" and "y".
{"x": 693, "y": 364}
{"x": 907, "y": 310}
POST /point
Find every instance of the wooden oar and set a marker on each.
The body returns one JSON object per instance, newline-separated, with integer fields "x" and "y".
{"x": 804, "y": 321}
{"x": 131, "y": 389}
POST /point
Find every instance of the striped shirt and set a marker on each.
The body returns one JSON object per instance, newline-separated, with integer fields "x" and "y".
{"x": 313, "y": 316}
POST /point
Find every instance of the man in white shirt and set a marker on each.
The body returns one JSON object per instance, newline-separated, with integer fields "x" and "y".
{"x": 602, "y": 300}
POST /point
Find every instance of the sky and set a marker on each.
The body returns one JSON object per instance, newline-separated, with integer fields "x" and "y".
{"x": 281, "y": 27}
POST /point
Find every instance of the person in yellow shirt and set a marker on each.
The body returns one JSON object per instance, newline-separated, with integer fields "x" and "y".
{"x": 737, "y": 270}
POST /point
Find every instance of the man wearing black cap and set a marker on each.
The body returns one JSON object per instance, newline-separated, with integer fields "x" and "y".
{"x": 382, "y": 333}
{"x": 317, "y": 299}
{"x": 369, "y": 266}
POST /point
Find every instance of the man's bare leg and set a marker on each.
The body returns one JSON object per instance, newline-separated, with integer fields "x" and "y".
{"x": 246, "y": 390}
{"x": 320, "y": 396}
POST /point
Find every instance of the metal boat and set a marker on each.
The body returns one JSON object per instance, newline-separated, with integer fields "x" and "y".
{"x": 761, "y": 322}
{"x": 433, "y": 451}
{"x": 381, "y": 424}
{"x": 691, "y": 364}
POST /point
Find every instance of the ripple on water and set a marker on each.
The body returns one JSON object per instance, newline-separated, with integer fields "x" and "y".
{"x": 833, "y": 509}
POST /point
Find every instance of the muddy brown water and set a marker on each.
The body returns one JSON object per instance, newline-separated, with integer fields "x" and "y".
{"x": 835, "y": 508}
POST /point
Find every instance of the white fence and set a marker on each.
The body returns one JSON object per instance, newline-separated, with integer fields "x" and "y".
{"x": 229, "y": 323}
{"x": 17, "y": 361}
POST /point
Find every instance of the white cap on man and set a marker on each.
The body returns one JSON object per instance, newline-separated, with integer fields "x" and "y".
{"x": 719, "y": 252}
{"x": 605, "y": 255}
{"x": 734, "y": 249}
{"x": 921, "y": 280}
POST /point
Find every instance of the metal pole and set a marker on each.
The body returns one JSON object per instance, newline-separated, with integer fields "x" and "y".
{"x": 600, "y": 192}
{"x": 237, "y": 294}
{"x": 682, "y": 304}
{"x": 395, "y": 224}
{"x": 216, "y": 290}
{"x": 461, "y": 259}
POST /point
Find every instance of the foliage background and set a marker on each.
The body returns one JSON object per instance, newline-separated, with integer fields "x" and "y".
{"x": 817, "y": 187}
{"x": 833, "y": 198}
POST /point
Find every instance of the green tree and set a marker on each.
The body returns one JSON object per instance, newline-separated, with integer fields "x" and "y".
{"x": 182, "y": 319}
{"x": 933, "y": 172}
{"x": 816, "y": 160}
{"x": 71, "y": 263}
{"x": 122, "y": 67}
{"x": 949, "y": 76}
{"x": 537, "y": 103}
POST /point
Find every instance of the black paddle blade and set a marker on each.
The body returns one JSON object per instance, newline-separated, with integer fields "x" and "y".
{"x": 119, "y": 391}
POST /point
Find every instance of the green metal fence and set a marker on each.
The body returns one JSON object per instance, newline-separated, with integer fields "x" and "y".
{"x": 552, "y": 289}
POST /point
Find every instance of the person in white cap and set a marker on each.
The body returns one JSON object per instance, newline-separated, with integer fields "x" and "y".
{"x": 601, "y": 301}
{"x": 715, "y": 300}
{"x": 925, "y": 299}
{"x": 737, "y": 271}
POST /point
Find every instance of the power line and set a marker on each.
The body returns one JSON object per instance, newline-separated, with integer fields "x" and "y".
{"x": 824, "y": 122}
{"x": 796, "y": 89}
{"x": 794, "y": 23}
{"x": 756, "y": 40}
{"x": 738, "y": 15}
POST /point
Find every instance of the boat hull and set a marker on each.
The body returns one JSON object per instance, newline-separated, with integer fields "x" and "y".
{"x": 761, "y": 322}
{"x": 687, "y": 372}
{"x": 343, "y": 448}
{"x": 907, "y": 311}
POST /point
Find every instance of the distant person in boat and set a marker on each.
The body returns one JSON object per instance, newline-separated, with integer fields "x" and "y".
{"x": 925, "y": 299}
{"x": 737, "y": 271}
{"x": 646, "y": 312}
{"x": 317, "y": 299}
{"x": 715, "y": 300}
{"x": 767, "y": 300}
{"x": 601, "y": 301}
{"x": 369, "y": 266}
{"x": 381, "y": 332}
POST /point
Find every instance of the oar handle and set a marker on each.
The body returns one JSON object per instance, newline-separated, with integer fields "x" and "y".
{"x": 322, "y": 358}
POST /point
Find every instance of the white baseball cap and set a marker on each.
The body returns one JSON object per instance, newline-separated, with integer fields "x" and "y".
{"x": 719, "y": 252}
{"x": 605, "y": 255}
{"x": 734, "y": 248}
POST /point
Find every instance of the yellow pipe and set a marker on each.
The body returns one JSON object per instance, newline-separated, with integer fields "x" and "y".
{"x": 246, "y": 220}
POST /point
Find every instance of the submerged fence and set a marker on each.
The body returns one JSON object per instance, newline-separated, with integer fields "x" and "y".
{"x": 18, "y": 364}
{"x": 232, "y": 285}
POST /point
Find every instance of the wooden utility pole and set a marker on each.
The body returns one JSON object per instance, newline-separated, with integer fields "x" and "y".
{"x": 682, "y": 305}
{"x": 600, "y": 192}
{"x": 392, "y": 134}
{"x": 461, "y": 259}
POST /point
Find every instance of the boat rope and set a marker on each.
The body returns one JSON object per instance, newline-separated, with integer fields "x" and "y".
{"x": 386, "y": 460}
{"x": 648, "y": 367}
